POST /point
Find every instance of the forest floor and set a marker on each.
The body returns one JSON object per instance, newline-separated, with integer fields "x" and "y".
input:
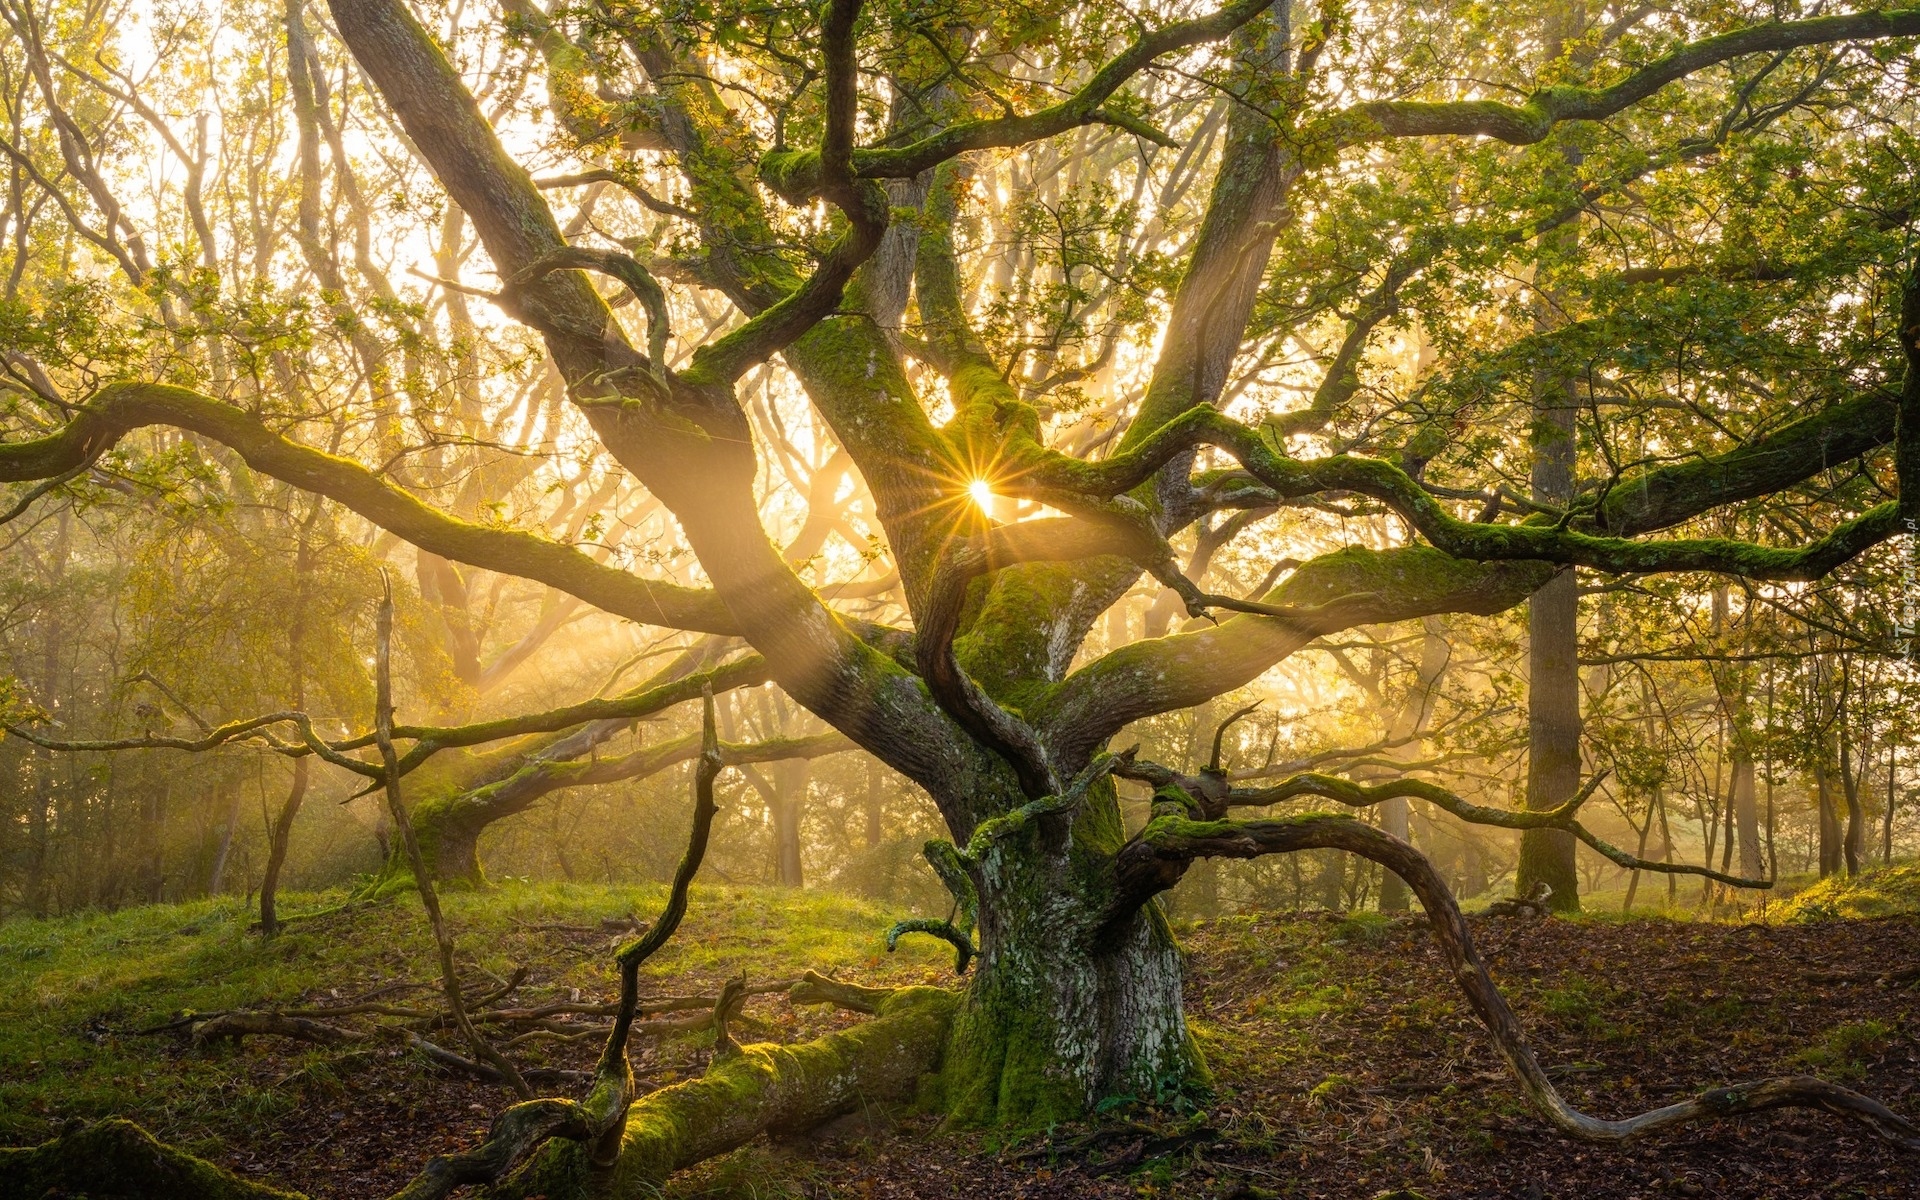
{"x": 1345, "y": 1063}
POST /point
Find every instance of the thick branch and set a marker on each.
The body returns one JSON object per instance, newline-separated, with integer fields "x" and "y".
{"x": 119, "y": 408}
{"x": 1527, "y": 123}
{"x": 1081, "y": 108}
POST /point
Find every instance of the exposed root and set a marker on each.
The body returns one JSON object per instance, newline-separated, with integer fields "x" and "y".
{"x": 120, "y": 1159}
{"x": 1161, "y": 851}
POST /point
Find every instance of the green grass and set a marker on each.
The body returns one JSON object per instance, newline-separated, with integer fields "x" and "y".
{"x": 1841, "y": 1052}
{"x": 1880, "y": 892}
{"x": 72, "y": 989}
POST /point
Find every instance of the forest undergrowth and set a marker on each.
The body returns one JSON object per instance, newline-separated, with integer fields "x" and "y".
{"x": 1344, "y": 1063}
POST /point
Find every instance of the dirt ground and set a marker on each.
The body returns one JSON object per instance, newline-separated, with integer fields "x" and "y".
{"x": 1345, "y": 1066}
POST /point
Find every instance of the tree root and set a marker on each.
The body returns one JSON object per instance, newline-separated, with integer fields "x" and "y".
{"x": 120, "y": 1159}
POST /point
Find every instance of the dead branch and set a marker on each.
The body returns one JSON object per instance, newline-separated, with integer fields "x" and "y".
{"x": 429, "y": 898}
{"x": 597, "y": 1121}
{"x": 815, "y": 988}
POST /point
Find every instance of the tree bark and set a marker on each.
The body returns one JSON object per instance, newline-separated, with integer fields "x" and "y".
{"x": 1829, "y": 852}
{"x": 277, "y": 843}
{"x": 1058, "y": 1018}
{"x": 1852, "y": 844}
{"x": 789, "y": 806}
{"x": 1553, "y": 736}
{"x": 1746, "y": 812}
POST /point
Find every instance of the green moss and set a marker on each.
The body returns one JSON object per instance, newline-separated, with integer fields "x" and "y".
{"x": 758, "y": 1089}
{"x": 64, "y": 981}
{"x": 120, "y": 1159}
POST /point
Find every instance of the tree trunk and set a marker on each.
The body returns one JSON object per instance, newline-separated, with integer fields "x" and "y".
{"x": 1829, "y": 818}
{"x": 1393, "y": 820}
{"x": 1410, "y": 722}
{"x": 789, "y": 805}
{"x": 1886, "y": 820}
{"x": 1746, "y": 813}
{"x": 217, "y": 877}
{"x": 1852, "y": 844}
{"x": 1553, "y": 739}
{"x": 277, "y": 843}
{"x": 1055, "y": 1021}
{"x": 874, "y": 802}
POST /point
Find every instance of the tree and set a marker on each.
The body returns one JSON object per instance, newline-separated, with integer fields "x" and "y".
{"x": 823, "y": 171}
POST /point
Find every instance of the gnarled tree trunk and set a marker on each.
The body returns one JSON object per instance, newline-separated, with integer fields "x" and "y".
{"x": 1057, "y": 1017}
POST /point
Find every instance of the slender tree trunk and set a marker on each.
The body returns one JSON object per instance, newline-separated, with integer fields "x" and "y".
{"x": 277, "y": 843}
{"x": 41, "y": 815}
{"x": 1410, "y": 722}
{"x": 874, "y": 800}
{"x": 217, "y": 877}
{"x": 1852, "y": 843}
{"x": 1553, "y": 737}
{"x": 40, "y": 834}
{"x": 1666, "y": 845}
{"x": 1553, "y": 665}
{"x": 156, "y": 868}
{"x": 1829, "y": 852}
{"x": 789, "y": 805}
{"x": 1746, "y": 813}
{"x": 281, "y": 834}
{"x": 1886, "y": 821}
{"x": 1640, "y": 852}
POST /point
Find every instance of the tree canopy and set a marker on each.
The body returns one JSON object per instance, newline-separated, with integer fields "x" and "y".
{"x": 994, "y": 381}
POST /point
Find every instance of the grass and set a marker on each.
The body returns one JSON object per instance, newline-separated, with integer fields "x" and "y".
{"x": 73, "y": 989}
{"x": 1879, "y": 892}
{"x": 1841, "y": 1053}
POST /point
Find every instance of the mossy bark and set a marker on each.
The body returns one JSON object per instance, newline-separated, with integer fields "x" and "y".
{"x": 120, "y": 1159}
{"x": 753, "y": 1090}
{"x": 1059, "y": 1017}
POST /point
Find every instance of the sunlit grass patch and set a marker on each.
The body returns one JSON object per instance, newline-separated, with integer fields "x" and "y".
{"x": 1879, "y": 892}
{"x": 75, "y": 991}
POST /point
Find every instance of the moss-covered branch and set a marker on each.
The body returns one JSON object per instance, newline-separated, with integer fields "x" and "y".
{"x": 1524, "y": 124}
{"x": 1359, "y": 795}
{"x": 760, "y": 1089}
{"x": 119, "y": 408}
{"x": 118, "y": 1158}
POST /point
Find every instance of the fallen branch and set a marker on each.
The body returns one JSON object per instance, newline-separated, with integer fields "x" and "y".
{"x": 448, "y": 1058}
{"x": 235, "y": 1025}
{"x": 105, "y": 1158}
